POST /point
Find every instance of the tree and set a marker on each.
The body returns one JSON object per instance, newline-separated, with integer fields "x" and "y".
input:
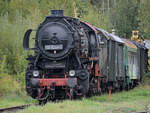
{"x": 144, "y": 17}
{"x": 4, "y": 6}
{"x": 125, "y": 17}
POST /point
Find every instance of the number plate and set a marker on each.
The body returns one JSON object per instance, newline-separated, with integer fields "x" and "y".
{"x": 54, "y": 47}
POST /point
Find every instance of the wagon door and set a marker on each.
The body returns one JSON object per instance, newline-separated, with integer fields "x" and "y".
{"x": 132, "y": 65}
{"x": 112, "y": 52}
{"x": 135, "y": 66}
{"x": 120, "y": 61}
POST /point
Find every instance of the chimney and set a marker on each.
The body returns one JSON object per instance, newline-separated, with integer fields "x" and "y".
{"x": 57, "y": 13}
{"x": 113, "y": 31}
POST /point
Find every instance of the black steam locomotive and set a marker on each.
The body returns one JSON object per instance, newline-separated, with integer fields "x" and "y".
{"x": 73, "y": 59}
{"x": 65, "y": 49}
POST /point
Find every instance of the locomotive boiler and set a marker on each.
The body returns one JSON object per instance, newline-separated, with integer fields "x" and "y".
{"x": 65, "y": 59}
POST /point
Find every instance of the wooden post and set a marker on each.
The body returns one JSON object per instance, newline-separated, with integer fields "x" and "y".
{"x": 109, "y": 94}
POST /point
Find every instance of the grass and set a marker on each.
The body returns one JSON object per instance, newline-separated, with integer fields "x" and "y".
{"x": 137, "y": 99}
{"x": 11, "y": 100}
{"x": 11, "y": 92}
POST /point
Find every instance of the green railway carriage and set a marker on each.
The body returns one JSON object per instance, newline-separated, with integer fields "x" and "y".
{"x": 136, "y": 57}
{"x": 119, "y": 58}
{"x": 111, "y": 61}
{"x": 122, "y": 62}
{"x": 142, "y": 58}
{"x": 132, "y": 55}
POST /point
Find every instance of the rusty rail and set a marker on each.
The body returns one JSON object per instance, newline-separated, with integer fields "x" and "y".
{"x": 14, "y": 109}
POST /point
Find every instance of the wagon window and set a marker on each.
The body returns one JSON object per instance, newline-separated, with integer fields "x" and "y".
{"x": 130, "y": 59}
{"x": 99, "y": 37}
{"x": 101, "y": 40}
{"x": 135, "y": 59}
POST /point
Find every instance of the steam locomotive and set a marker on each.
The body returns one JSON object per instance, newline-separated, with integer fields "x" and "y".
{"x": 73, "y": 59}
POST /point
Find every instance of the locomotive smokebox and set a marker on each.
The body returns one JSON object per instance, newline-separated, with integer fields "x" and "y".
{"x": 57, "y": 13}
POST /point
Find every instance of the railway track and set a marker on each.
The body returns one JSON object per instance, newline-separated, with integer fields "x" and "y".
{"x": 14, "y": 109}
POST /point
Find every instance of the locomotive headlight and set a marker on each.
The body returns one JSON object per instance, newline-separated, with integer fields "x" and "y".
{"x": 72, "y": 73}
{"x": 36, "y": 73}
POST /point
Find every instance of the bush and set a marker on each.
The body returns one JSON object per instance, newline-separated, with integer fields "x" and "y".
{"x": 146, "y": 79}
{"x": 9, "y": 85}
{"x": 12, "y": 56}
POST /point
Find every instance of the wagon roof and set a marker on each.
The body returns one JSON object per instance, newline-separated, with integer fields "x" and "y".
{"x": 116, "y": 38}
{"x": 105, "y": 33}
{"x": 139, "y": 45}
{"x": 129, "y": 43}
{"x": 90, "y": 26}
{"x": 109, "y": 35}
